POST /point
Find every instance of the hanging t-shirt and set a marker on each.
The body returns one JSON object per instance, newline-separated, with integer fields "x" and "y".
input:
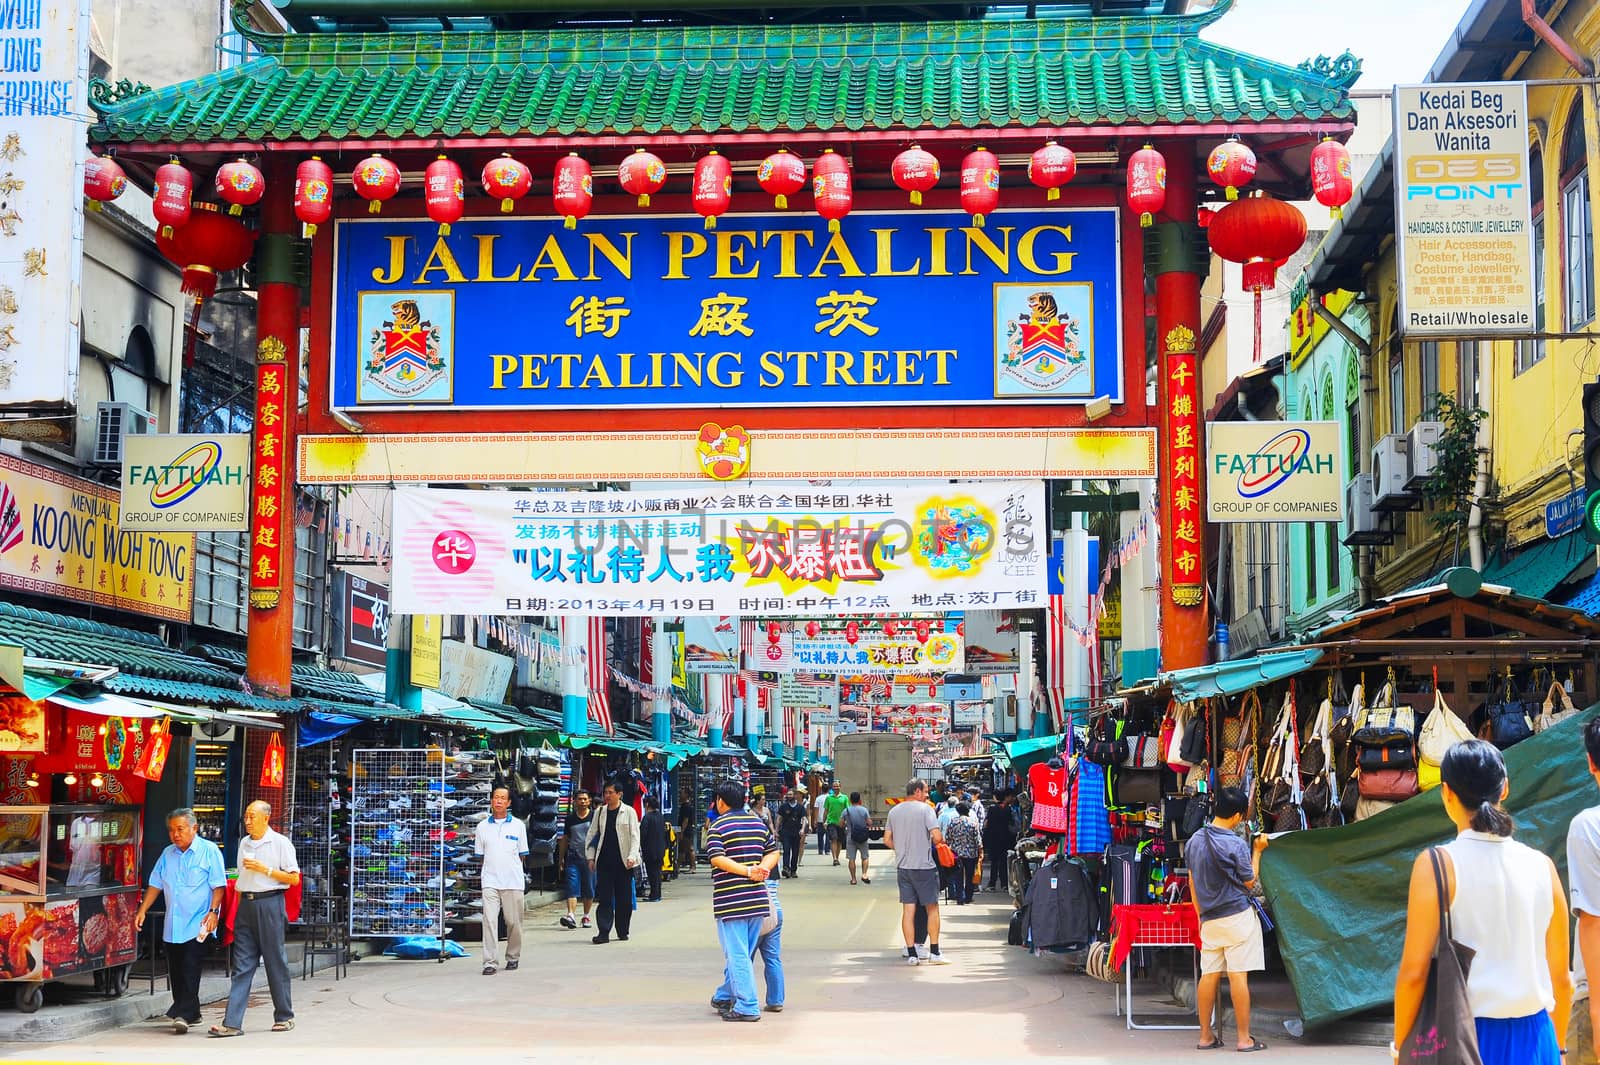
{"x": 1089, "y": 830}
{"x": 1049, "y": 788}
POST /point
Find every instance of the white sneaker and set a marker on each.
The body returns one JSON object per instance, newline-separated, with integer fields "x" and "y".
{"x": 922, "y": 952}
{"x": 937, "y": 959}
{"x": 911, "y": 959}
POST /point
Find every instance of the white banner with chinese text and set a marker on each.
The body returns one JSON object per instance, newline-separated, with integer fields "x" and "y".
{"x": 703, "y": 551}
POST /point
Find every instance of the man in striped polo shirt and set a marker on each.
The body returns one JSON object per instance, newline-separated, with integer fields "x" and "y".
{"x": 743, "y": 854}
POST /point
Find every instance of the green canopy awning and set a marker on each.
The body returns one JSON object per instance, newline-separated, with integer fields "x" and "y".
{"x": 1535, "y": 571}
{"x": 1022, "y": 755}
{"x": 38, "y": 686}
{"x": 1242, "y": 674}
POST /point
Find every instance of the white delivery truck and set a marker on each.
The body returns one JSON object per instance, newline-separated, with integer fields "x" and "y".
{"x": 878, "y": 765}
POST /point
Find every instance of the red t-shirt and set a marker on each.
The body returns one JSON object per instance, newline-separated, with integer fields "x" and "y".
{"x": 1049, "y": 788}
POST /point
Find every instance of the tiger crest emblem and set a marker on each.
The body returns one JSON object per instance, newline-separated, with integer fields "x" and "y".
{"x": 405, "y": 353}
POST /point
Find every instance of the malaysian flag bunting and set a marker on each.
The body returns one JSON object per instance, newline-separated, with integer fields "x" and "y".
{"x": 789, "y": 731}
{"x": 599, "y": 679}
{"x": 1057, "y": 632}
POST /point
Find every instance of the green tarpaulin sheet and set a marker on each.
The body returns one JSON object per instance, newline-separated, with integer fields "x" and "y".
{"x": 1338, "y": 895}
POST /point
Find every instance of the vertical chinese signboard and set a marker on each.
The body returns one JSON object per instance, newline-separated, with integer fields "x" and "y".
{"x": 273, "y": 407}
{"x": 1181, "y": 425}
{"x": 44, "y": 61}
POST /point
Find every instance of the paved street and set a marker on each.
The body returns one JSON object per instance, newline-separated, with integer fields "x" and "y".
{"x": 849, "y": 998}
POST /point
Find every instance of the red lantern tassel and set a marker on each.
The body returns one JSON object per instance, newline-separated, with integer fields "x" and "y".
{"x": 781, "y": 202}
{"x": 571, "y": 222}
{"x": 1232, "y": 193}
{"x": 1147, "y": 220}
{"x": 199, "y": 282}
{"x": 1053, "y": 194}
{"x": 977, "y": 221}
{"x": 916, "y": 198}
{"x": 311, "y": 230}
{"x": 644, "y": 199}
{"x": 1258, "y": 328}
{"x": 833, "y": 225}
{"x": 506, "y": 206}
{"x": 374, "y": 206}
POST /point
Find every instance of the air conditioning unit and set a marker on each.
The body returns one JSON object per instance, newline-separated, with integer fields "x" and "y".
{"x": 114, "y": 423}
{"x": 1390, "y": 472}
{"x": 1422, "y": 452}
{"x": 1359, "y": 517}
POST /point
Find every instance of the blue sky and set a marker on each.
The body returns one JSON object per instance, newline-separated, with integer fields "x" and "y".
{"x": 1398, "y": 40}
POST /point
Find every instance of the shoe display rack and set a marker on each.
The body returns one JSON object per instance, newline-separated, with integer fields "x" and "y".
{"x": 397, "y": 846}
{"x": 552, "y": 798}
{"x": 319, "y": 829}
{"x": 468, "y": 781}
{"x": 708, "y": 773}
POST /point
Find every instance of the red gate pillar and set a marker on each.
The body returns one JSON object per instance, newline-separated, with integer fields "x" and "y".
{"x": 1177, "y": 254}
{"x": 270, "y": 636}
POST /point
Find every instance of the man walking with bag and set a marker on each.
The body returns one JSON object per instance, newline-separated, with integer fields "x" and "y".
{"x": 858, "y": 837}
{"x": 502, "y": 843}
{"x": 1223, "y": 870}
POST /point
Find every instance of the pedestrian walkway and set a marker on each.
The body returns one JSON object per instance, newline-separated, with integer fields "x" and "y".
{"x": 849, "y": 998}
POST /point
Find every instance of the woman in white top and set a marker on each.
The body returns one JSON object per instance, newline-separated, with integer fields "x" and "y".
{"x": 1507, "y": 905}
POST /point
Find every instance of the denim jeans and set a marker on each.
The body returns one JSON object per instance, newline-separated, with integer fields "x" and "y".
{"x": 580, "y": 880}
{"x": 740, "y": 939}
{"x": 770, "y": 947}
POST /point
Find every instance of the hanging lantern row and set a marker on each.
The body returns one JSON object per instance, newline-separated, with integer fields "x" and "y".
{"x": 1231, "y": 165}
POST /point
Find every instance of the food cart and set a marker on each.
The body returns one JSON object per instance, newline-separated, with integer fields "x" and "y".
{"x": 69, "y": 889}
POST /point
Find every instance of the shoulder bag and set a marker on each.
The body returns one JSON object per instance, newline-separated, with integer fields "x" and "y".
{"x": 1280, "y": 775}
{"x": 1389, "y": 785}
{"x": 1557, "y": 708}
{"x": 1106, "y": 745}
{"x": 1445, "y": 1032}
{"x": 1345, "y": 714}
{"x": 1174, "y": 732}
{"x": 1441, "y": 731}
{"x": 1238, "y": 740}
{"x": 1196, "y": 746}
{"x": 1386, "y": 723}
{"x": 1507, "y": 718}
{"x": 1144, "y": 752}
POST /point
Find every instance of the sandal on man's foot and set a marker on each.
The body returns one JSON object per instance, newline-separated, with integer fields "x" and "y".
{"x": 283, "y": 1026}
{"x": 222, "y": 1031}
{"x": 1254, "y": 1046}
{"x": 1215, "y": 1044}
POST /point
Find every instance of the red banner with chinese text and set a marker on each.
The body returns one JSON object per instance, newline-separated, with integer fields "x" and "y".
{"x": 1182, "y": 428}
{"x": 273, "y": 407}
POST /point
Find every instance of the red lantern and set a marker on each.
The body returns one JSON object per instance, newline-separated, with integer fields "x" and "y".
{"x": 210, "y": 243}
{"x": 444, "y": 193}
{"x": 713, "y": 187}
{"x": 916, "y": 171}
{"x": 830, "y": 188}
{"x": 376, "y": 179}
{"x": 103, "y": 180}
{"x": 889, "y": 629}
{"x": 1051, "y": 167}
{"x": 852, "y": 633}
{"x": 1231, "y": 164}
{"x": 1260, "y": 233}
{"x": 924, "y": 630}
{"x": 812, "y": 629}
{"x": 782, "y": 175}
{"x": 980, "y": 184}
{"x": 313, "y": 193}
{"x": 641, "y": 174}
{"x": 573, "y": 188}
{"x": 173, "y": 192}
{"x": 1331, "y": 178}
{"x": 1147, "y": 183}
{"x": 961, "y": 628}
{"x": 774, "y": 632}
{"x": 506, "y": 180}
{"x": 240, "y": 185}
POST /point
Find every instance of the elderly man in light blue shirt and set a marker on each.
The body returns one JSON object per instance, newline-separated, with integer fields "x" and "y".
{"x": 190, "y": 875}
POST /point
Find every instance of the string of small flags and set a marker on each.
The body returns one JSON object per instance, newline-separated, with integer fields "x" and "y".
{"x": 1128, "y": 549}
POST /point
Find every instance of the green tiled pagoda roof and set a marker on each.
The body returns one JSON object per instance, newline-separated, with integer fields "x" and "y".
{"x": 686, "y": 81}
{"x": 44, "y": 635}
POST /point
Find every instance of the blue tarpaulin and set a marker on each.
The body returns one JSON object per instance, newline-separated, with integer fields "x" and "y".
{"x": 319, "y": 727}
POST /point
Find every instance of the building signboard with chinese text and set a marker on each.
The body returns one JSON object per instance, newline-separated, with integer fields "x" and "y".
{"x": 59, "y": 537}
{"x": 1463, "y": 209}
{"x": 642, "y": 311}
{"x": 44, "y": 81}
{"x": 812, "y": 551}
{"x": 873, "y": 652}
{"x": 190, "y": 483}
{"x": 1275, "y": 471}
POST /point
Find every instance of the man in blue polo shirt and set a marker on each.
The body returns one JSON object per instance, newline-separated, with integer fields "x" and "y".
{"x": 190, "y": 875}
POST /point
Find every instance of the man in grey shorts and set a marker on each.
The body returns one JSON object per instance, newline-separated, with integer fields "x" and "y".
{"x": 912, "y": 833}
{"x": 857, "y": 825}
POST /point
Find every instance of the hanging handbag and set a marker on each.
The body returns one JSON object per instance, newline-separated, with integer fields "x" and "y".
{"x": 1281, "y": 773}
{"x": 1238, "y": 742}
{"x": 1196, "y": 746}
{"x": 1175, "y": 731}
{"x": 1350, "y": 796}
{"x": 1557, "y": 708}
{"x": 1392, "y": 756}
{"x": 1441, "y": 730}
{"x": 1106, "y": 745}
{"x": 1314, "y": 753}
{"x": 1428, "y": 775}
{"x": 1144, "y": 752}
{"x": 1386, "y": 723}
{"x": 1343, "y": 729}
{"x": 1388, "y": 785}
{"x": 1444, "y": 1032}
{"x": 1316, "y": 801}
{"x": 1195, "y": 815}
{"x": 1507, "y": 718}
{"x": 1136, "y": 787}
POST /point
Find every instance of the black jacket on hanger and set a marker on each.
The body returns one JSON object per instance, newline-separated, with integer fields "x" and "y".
{"x": 1059, "y": 909}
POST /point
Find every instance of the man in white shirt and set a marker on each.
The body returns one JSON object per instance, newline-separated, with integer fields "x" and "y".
{"x": 267, "y": 870}
{"x": 502, "y": 843}
{"x": 819, "y": 822}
